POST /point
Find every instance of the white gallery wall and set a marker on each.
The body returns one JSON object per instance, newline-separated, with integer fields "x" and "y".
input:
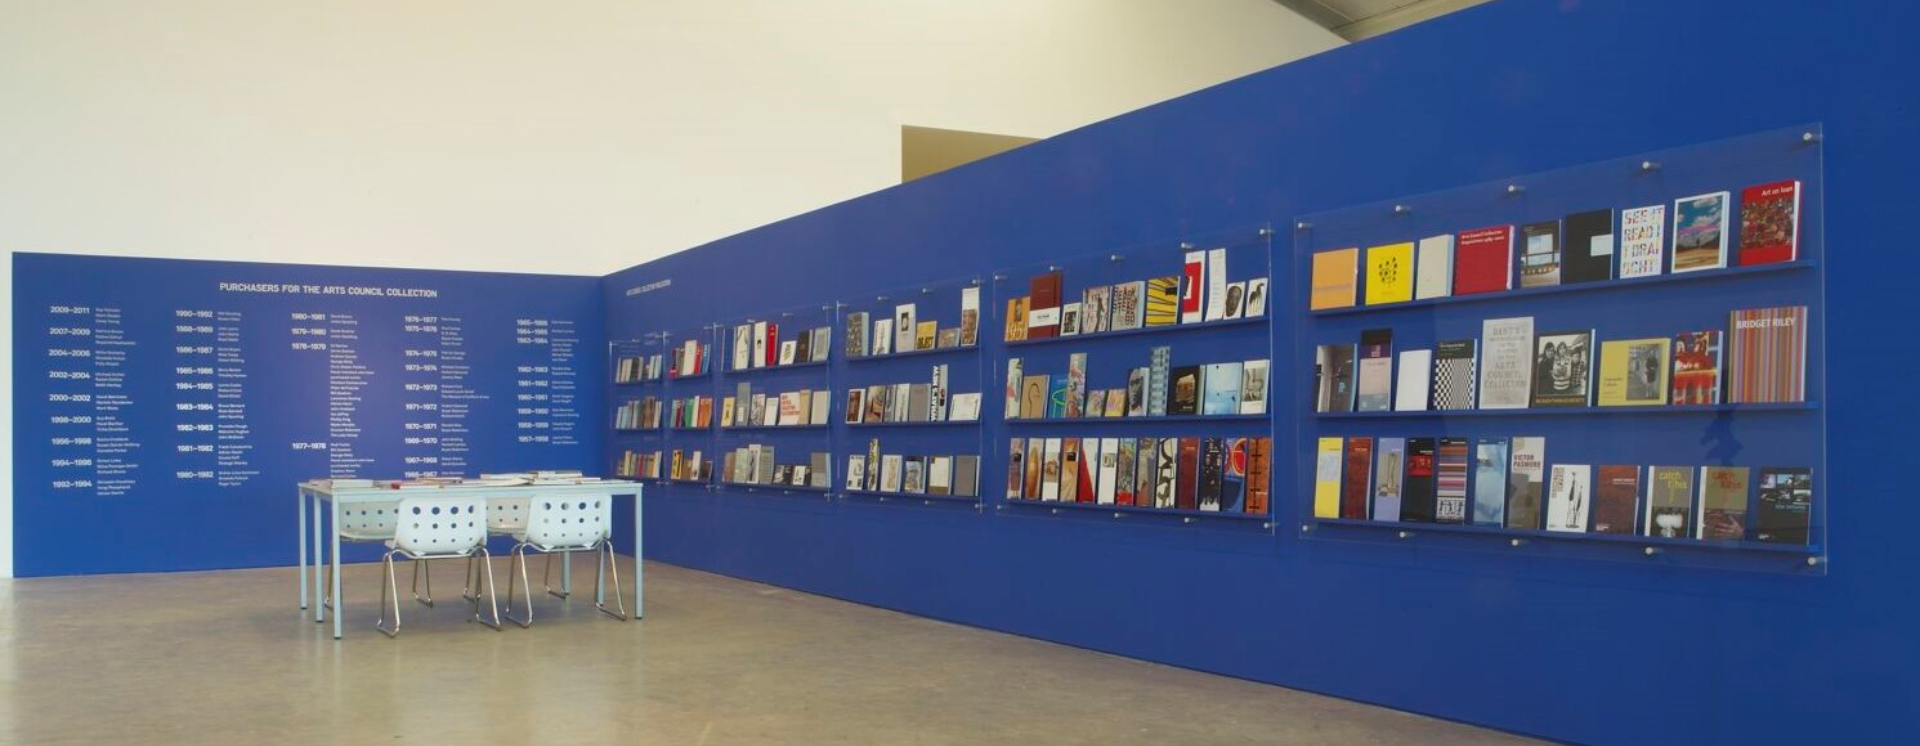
{"x": 572, "y": 136}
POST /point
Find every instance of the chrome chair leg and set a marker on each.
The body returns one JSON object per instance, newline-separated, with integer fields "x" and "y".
{"x": 547, "y": 575}
{"x": 389, "y": 590}
{"x": 519, "y": 564}
{"x": 418, "y": 564}
{"x": 486, "y": 565}
{"x": 471, "y": 591}
{"x": 608, "y": 560}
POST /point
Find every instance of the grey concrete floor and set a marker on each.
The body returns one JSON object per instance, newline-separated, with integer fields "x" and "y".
{"x": 226, "y": 658}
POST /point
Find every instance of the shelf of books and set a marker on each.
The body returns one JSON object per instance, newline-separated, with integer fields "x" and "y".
{"x": 1622, "y": 361}
{"x": 774, "y": 433}
{"x": 913, "y": 385}
{"x": 1135, "y": 384}
{"x": 662, "y": 405}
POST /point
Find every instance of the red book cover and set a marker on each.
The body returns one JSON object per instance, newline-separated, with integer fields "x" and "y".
{"x": 1770, "y": 223}
{"x": 1483, "y": 260}
{"x": 1356, "y": 478}
{"x": 1188, "y": 477}
{"x": 773, "y": 344}
{"x": 1616, "y": 499}
{"x": 1259, "y": 463}
{"x": 1084, "y": 489}
{"x": 1043, "y": 308}
{"x": 1193, "y": 273}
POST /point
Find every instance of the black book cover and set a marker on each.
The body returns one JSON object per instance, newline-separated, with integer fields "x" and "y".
{"x": 1212, "y": 472}
{"x": 802, "y": 351}
{"x": 1589, "y": 247}
{"x": 1563, "y": 369}
{"x": 1786, "y": 505}
{"x": 1417, "y": 497}
{"x": 1183, "y": 390}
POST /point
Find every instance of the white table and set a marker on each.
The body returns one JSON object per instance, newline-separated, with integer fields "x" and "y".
{"x": 312, "y": 494}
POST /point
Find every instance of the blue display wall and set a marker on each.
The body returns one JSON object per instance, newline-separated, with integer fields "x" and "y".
{"x": 1569, "y": 647}
{"x": 164, "y": 410}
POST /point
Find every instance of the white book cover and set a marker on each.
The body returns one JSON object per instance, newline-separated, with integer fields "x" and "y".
{"x": 1216, "y": 284}
{"x": 788, "y": 349}
{"x": 882, "y": 337}
{"x": 1253, "y": 387}
{"x": 890, "y": 472}
{"x": 1569, "y": 497}
{"x": 1506, "y": 362}
{"x": 752, "y": 463}
{"x": 1050, "y": 470}
{"x": 966, "y": 408}
{"x": 1256, "y": 297}
{"x": 759, "y": 345}
{"x": 770, "y": 414}
{"x": 822, "y": 337}
{"x": 1069, "y": 319}
{"x": 856, "y": 471}
{"x": 742, "y": 346}
{"x": 1090, "y": 462}
{"x": 937, "y": 395}
{"x": 689, "y": 358}
{"x": 822, "y": 407}
{"x": 940, "y": 475}
{"x": 1109, "y": 468}
{"x": 1643, "y": 241}
{"x": 790, "y": 408}
{"x": 905, "y": 320}
{"x": 1013, "y": 389}
{"x": 969, "y": 316}
{"x": 1433, "y": 267}
{"x": 1416, "y": 379}
{"x": 1192, "y": 294}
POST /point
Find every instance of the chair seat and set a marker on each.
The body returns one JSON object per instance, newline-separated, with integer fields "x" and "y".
{"x": 354, "y": 534}
{"x": 521, "y": 537}
{"x": 409, "y": 554}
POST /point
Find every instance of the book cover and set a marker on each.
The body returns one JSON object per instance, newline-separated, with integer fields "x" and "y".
{"x": 760, "y": 339}
{"x": 892, "y": 471}
{"x": 1454, "y": 367}
{"x": 1700, "y": 232}
{"x": 1157, "y": 373}
{"x": 1587, "y": 255}
{"x": 1524, "y": 488}
{"x": 1043, "y": 313}
{"x": 939, "y": 475}
{"x": 1633, "y": 372}
{"x": 1070, "y": 319}
{"x": 1256, "y": 297}
{"x": 1540, "y": 254}
{"x": 1233, "y": 475}
{"x": 1451, "y": 475}
{"x": 822, "y": 403}
{"x": 773, "y": 346}
{"x": 1184, "y": 391}
{"x": 1016, "y": 329}
{"x": 743, "y": 338}
{"x": 788, "y": 352}
{"x": 1327, "y": 461}
{"x": 1016, "y": 468}
{"x": 1723, "y": 502}
{"x": 1785, "y": 511}
{"x": 1616, "y": 499}
{"x": 1146, "y": 463}
{"x": 1096, "y": 403}
{"x": 1050, "y": 470}
{"x": 1483, "y": 260}
{"x": 969, "y": 316}
{"x": 822, "y": 343}
{"x": 1012, "y": 392}
{"x": 1137, "y": 392}
{"x": 966, "y": 476}
{"x": 1096, "y": 309}
{"x": 1033, "y": 397}
{"x": 966, "y": 407}
{"x": 1373, "y": 389}
{"x": 1334, "y": 275}
{"x": 1222, "y": 385}
{"x": 1162, "y": 301}
{"x": 1356, "y": 479}
{"x": 1669, "y": 502}
{"x": 1123, "y": 474}
{"x": 1334, "y": 376}
{"x": 1569, "y": 497}
{"x": 1057, "y": 399}
{"x": 1216, "y": 284}
{"x": 803, "y": 348}
{"x": 1767, "y": 355}
{"x": 856, "y": 471}
{"x": 856, "y": 334}
{"x": 1236, "y": 300}
{"x": 873, "y": 464}
{"x": 925, "y": 334}
{"x": 1506, "y": 370}
{"x": 1187, "y": 486}
{"x": 1193, "y": 280}
{"x": 817, "y": 469}
{"x": 1212, "y": 472}
{"x": 1490, "y": 459}
{"x": 1769, "y": 223}
{"x": 1036, "y": 464}
{"x": 1166, "y": 478}
{"x": 1389, "y": 273}
{"x": 882, "y": 338}
{"x": 1696, "y": 367}
{"x": 790, "y": 408}
{"x": 937, "y": 394}
{"x": 1076, "y": 385}
{"x": 1433, "y": 268}
{"x": 1089, "y": 481}
{"x": 1116, "y": 403}
{"x": 1417, "y": 496}
{"x": 905, "y": 323}
{"x": 1389, "y": 464}
{"x": 1253, "y": 387}
{"x": 1643, "y": 241}
{"x": 1070, "y": 469}
{"x": 1129, "y": 305}
{"x": 1410, "y": 390}
{"x": 1109, "y": 478}
{"x": 1563, "y": 369}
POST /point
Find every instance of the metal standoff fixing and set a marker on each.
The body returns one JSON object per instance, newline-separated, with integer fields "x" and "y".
{"x": 1816, "y": 561}
{"x": 997, "y": 277}
{"x": 1186, "y": 519}
{"x": 926, "y": 291}
{"x": 1116, "y": 258}
{"x": 974, "y": 282}
{"x": 1264, "y": 232}
{"x": 1809, "y": 137}
{"x": 1651, "y": 551}
{"x": 880, "y": 299}
{"x": 1267, "y": 526}
{"x": 1406, "y": 534}
{"x": 926, "y": 502}
{"x": 1649, "y": 165}
{"x": 1118, "y": 514}
{"x": 1306, "y": 528}
{"x": 1056, "y": 511}
{"x": 1302, "y": 226}
{"x": 1401, "y": 209}
{"x": 1517, "y": 542}
{"x": 1515, "y": 189}
{"x": 1186, "y": 245}
{"x": 1053, "y": 268}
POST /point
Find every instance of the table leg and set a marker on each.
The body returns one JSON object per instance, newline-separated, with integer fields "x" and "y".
{"x": 301, "y": 503}
{"x": 338, "y": 609}
{"x": 319, "y": 558}
{"x": 639, "y": 601}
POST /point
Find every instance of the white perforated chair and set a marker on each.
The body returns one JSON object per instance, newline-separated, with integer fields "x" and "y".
{"x": 368, "y": 523}
{"x": 430, "y": 528}
{"x": 506, "y": 516}
{"x": 562, "y": 525}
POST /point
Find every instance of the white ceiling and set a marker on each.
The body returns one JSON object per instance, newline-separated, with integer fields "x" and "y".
{"x": 1359, "y": 19}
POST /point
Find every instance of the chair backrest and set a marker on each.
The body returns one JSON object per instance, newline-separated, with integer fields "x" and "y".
{"x": 440, "y": 526}
{"x": 569, "y": 522}
{"x": 507, "y": 513}
{"x": 369, "y": 519}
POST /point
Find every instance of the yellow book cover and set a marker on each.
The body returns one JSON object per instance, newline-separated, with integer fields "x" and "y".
{"x": 1389, "y": 273}
{"x": 1633, "y": 372}
{"x": 1016, "y": 319}
{"x": 1333, "y": 279}
{"x": 924, "y": 335}
{"x": 1326, "y": 479}
{"x": 1163, "y": 301}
